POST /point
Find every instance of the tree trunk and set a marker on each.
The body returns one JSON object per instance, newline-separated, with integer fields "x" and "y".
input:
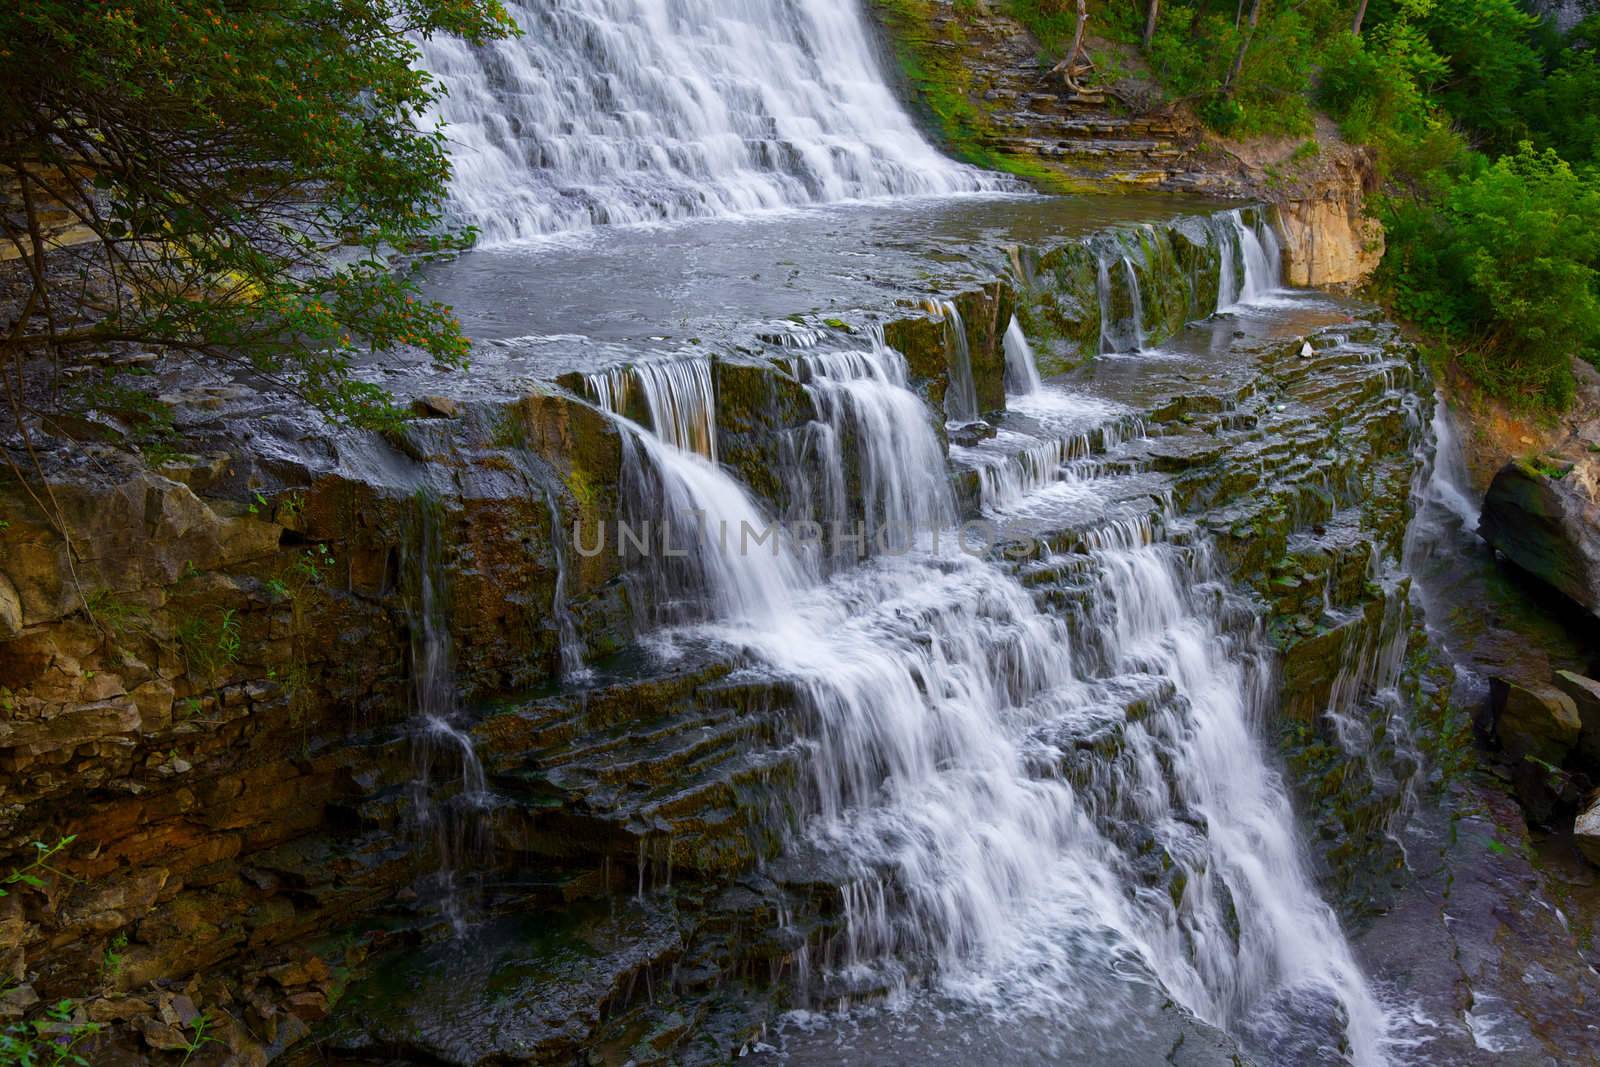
{"x": 1361, "y": 13}
{"x": 1238, "y": 57}
{"x": 1075, "y": 63}
{"x": 1150, "y": 22}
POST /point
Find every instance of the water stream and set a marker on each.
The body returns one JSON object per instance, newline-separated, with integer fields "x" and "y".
{"x": 449, "y": 790}
{"x": 629, "y": 111}
{"x": 996, "y": 779}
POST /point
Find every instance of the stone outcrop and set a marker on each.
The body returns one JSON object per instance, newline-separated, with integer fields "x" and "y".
{"x": 1586, "y": 830}
{"x": 1532, "y": 719}
{"x": 204, "y": 690}
{"x": 211, "y": 694}
{"x": 1585, "y": 695}
{"x": 1328, "y": 238}
{"x": 1545, "y": 520}
{"x": 978, "y": 77}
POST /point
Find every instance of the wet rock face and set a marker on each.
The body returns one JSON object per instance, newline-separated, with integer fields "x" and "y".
{"x": 220, "y": 712}
{"x": 1547, "y": 526}
{"x": 208, "y": 695}
{"x": 1585, "y": 695}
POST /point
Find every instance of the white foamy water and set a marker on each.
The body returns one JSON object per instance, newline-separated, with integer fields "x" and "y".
{"x": 630, "y": 111}
{"x": 999, "y": 781}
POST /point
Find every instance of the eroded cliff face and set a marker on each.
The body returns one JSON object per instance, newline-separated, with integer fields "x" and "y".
{"x": 207, "y": 684}
{"x": 214, "y": 691}
{"x": 1328, "y": 239}
{"x": 1318, "y": 186}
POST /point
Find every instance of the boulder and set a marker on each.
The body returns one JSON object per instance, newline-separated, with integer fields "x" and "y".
{"x": 1586, "y": 829}
{"x": 10, "y": 609}
{"x": 1547, "y": 526}
{"x": 436, "y": 407}
{"x": 1548, "y": 794}
{"x": 1532, "y": 719}
{"x": 1585, "y": 694}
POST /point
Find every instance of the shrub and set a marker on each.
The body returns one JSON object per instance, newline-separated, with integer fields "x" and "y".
{"x": 1507, "y": 265}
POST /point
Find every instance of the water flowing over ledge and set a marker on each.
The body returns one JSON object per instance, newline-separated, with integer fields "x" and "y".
{"x": 1013, "y": 784}
{"x": 610, "y": 112}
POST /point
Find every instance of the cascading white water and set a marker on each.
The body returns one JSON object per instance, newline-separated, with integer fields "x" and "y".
{"x": 1227, "y": 250}
{"x": 995, "y": 778}
{"x": 569, "y": 640}
{"x": 961, "y": 394}
{"x": 692, "y": 534}
{"x": 865, "y": 401}
{"x": 1262, "y": 257}
{"x": 622, "y": 111}
{"x": 1119, "y": 335}
{"x": 1108, "y": 341}
{"x": 1448, "y": 483}
{"x": 1022, "y": 369}
{"x": 1136, "y": 299}
{"x": 678, "y": 397}
{"x": 449, "y": 789}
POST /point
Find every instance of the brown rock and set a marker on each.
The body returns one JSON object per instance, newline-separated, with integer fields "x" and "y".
{"x": 1586, "y": 829}
{"x": 89, "y": 722}
{"x": 299, "y": 972}
{"x": 17, "y": 1001}
{"x": 436, "y": 407}
{"x": 10, "y": 608}
{"x": 309, "y": 1006}
{"x": 117, "y": 1009}
{"x": 159, "y": 1035}
{"x": 1327, "y": 238}
{"x": 178, "y": 1010}
{"x": 1534, "y": 720}
{"x": 154, "y": 701}
{"x": 1585, "y": 694}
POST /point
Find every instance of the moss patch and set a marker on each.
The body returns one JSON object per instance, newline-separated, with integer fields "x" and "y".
{"x": 937, "y": 62}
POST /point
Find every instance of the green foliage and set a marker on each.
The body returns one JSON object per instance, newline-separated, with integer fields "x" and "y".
{"x": 1506, "y": 264}
{"x": 316, "y": 565}
{"x": 1371, "y": 84}
{"x": 1486, "y": 123}
{"x": 1050, "y": 21}
{"x": 249, "y": 172}
{"x": 209, "y": 647}
{"x": 42, "y": 855}
{"x": 199, "y": 1036}
{"x": 931, "y": 59}
{"x": 50, "y": 1040}
{"x": 112, "y": 960}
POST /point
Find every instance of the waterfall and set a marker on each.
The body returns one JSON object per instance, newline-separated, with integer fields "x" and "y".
{"x": 1262, "y": 257}
{"x": 569, "y": 640}
{"x": 961, "y": 394}
{"x": 626, "y": 111}
{"x": 864, "y": 401}
{"x": 1448, "y": 484}
{"x": 1137, "y": 303}
{"x": 1119, "y": 335}
{"x": 1031, "y": 806}
{"x": 1022, "y": 370}
{"x": 449, "y": 790}
{"x": 1227, "y": 250}
{"x": 695, "y": 541}
{"x": 677, "y": 395}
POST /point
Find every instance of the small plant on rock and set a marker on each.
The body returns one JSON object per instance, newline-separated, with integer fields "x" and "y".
{"x": 50, "y": 1040}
